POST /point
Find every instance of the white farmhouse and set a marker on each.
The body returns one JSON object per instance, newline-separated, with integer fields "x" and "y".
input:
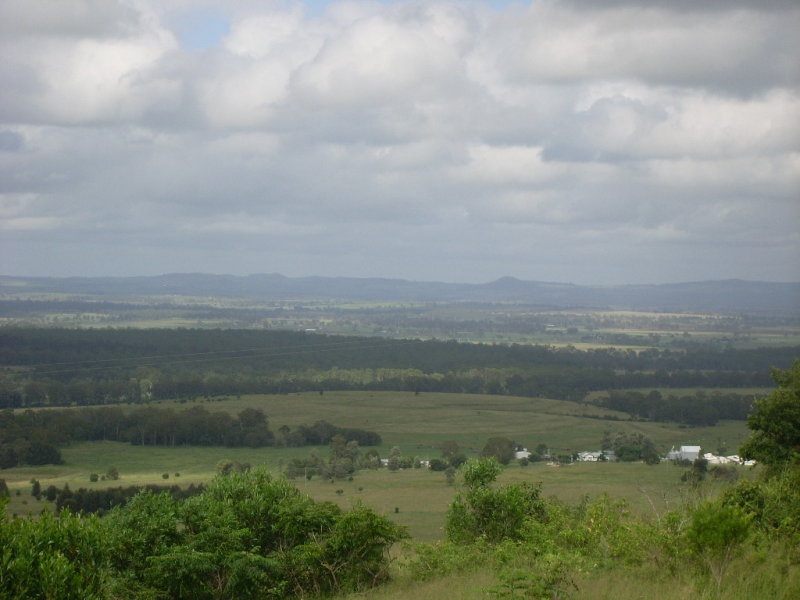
{"x": 589, "y": 456}
{"x": 685, "y": 453}
{"x": 524, "y": 453}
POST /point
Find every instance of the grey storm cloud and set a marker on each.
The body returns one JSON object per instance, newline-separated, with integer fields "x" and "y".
{"x": 604, "y": 141}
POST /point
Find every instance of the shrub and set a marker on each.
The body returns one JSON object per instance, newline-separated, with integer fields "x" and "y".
{"x": 494, "y": 514}
{"x": 62, "y": 556}
{"x": 715, "y": 531}
{"x": 248, "y": 535}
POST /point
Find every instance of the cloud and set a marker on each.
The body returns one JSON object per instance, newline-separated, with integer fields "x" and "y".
{"x": 735, "y": 49}
{"x": 610, "y": 141}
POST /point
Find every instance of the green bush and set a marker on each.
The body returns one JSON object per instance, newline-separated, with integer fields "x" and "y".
{"x": 494, "y": 514}
{"x": 63, "y": 556}
{"x": 247, "y": 535}
{"x": 714, "y": 533}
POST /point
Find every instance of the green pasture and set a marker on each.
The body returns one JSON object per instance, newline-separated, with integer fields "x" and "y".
{"x": 417, "y": 498}
{"x": 417, "y": 423}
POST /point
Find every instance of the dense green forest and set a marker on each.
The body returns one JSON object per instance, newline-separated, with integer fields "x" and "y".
{"x": 700, "y": 408}
{"x": 61, "y": 367}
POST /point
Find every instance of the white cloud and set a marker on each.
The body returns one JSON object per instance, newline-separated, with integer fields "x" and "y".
{"x": 654, "y": 43}
{"x": 424, "y": 139}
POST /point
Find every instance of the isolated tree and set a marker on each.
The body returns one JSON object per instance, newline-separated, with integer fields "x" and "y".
{"x": 371, "y": 459}
{"x": 36, "y": 489}
{"x": 338, "y": 446}
{"x": 437, "y": 464}
{"x": 775, "y": 422}
{"x": 500, "y": 448}
{"x": 631, "y": 446}
{"x": 449, "y": 449}
{"x": 450, "y": 475}
{"x": 395, "y": 455}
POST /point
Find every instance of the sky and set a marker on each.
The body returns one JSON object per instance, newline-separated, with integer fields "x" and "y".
{"x": 592, "y": 142}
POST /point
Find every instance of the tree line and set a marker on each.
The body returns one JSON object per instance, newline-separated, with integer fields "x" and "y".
{"x": 565, "y": 383}
{"x": 69, "y": 350}
{"x": 61, "y": 367}
{"x": 701, "y": 408}
{"x": 33, "y": 437}
{"x": 89, "y": 501}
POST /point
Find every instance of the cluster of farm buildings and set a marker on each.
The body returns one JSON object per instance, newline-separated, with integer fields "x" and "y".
{"x": 693, "y": 453}
{"x": 690, "y": 453}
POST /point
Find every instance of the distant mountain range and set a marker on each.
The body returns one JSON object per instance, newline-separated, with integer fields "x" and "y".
{"x": 726, "y": 296}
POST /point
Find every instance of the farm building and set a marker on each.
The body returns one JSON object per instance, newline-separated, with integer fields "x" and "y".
{"x": 524, "y": 453}
{"x": 685, "y": 453}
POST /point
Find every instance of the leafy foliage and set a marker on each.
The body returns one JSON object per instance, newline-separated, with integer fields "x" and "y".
{"x": 64, "y": 556}
{"x": 775, "y": 422}
{"x": 714, "y": 533}
{"x": 249, "y": 535}
{"x": 480, "y": 511}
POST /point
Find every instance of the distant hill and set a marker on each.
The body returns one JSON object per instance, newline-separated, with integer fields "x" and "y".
{"x": 727, "y": 296}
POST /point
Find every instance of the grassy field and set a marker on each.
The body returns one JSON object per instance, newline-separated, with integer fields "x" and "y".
{"x": 418, "y": 423}
{"x": 417, "y": 498}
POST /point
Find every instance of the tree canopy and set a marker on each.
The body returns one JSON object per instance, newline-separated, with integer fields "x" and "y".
{"x": 775, "y": 422}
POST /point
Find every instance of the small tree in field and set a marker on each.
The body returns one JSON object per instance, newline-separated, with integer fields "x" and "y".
{"x": 500, "y": 448}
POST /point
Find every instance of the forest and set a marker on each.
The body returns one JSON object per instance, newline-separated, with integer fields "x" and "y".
{"x": 62, "y": 367}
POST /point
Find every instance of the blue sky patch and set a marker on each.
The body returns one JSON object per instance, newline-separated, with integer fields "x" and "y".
{"x": 201, "y": 29}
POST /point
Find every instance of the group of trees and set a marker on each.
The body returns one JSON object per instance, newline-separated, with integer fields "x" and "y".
{"x": 701, "y": 408}
{"x": 89, "y": 501}
{"x": 630, "y": 446}
{"x": 31, "y": 437}
{"x": 345, "y": 458}
{"x": 246, "y": 536}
